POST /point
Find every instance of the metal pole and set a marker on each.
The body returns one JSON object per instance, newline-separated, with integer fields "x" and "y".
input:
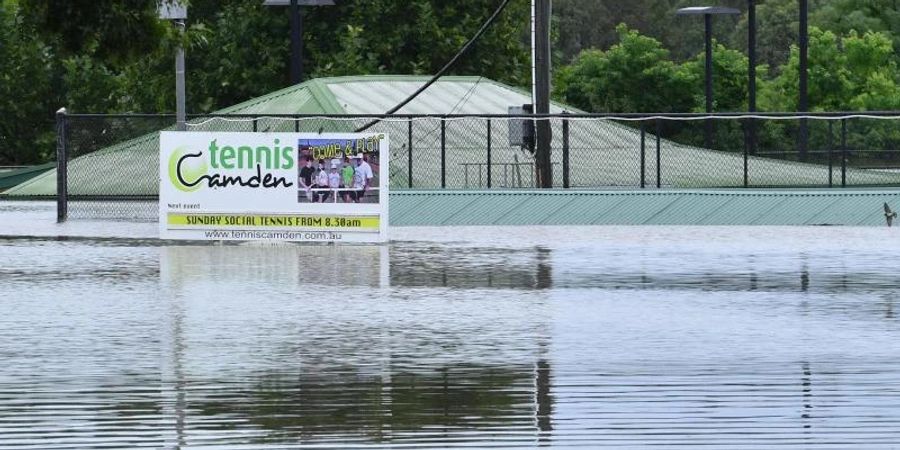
{"x": 565, "y": 150}
{"x": 747, "y": 158}
{"x": 707, "y": 19}
{"x": 180, "y": 123}
{"x": 751, "y": 82}
{"x": 296, "y": 47}
{"x": 658, "y": 157}
{"x": 804, "y": 78}
{"x": 830, "y": 151}
{"x": 843, "y": 152}
{"x": 488, "y": 154}
{"x": 409, "y": 153}
{"x": 542, "y": 93}
{"x": 443, "y": 153}
{"x": 643, "y": 155}
{"x": 62, "y": 168}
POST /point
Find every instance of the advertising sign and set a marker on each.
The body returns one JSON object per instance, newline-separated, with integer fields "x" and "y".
{"x": 273, "y": 186}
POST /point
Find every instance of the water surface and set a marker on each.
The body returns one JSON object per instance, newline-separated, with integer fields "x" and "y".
{"x": 471, "y": 337}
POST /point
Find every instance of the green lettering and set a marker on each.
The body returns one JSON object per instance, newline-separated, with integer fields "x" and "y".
{"x": 212, "y": 154}
{"x": 264, "y": 156}
{"x": 245, "y": 157}
{"x": 227, "y": 157}
{"x": 276, "y": 162}
{"x": 287, "y": 154}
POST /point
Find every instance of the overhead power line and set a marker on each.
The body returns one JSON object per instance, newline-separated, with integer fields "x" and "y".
{"x": 484, "y": 27}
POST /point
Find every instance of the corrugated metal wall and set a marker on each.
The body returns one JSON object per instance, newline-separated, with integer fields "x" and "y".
{"x": 574, "y": 207}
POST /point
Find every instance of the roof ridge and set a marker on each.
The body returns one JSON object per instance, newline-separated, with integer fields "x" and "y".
{"x": 324, "y": 97}
{"x": 264, "y": 98}
{"x": 396, "y": 77}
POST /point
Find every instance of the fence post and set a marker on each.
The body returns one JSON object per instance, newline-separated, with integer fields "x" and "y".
{"x": 844, "y": 152}
{"x": 747, "y": 154}
{"x": 297, "y": 125}
{"x": 254, "y": 125}
{"x": 409, "y": 153}
{"x": 643, "y": 155}
{"x": 658, "y": 157}
{"x": 488, "y": 153}
{"x": 565, "y": 150}
{"x": 830, "y": 151}
{"x": 443, "y": 153}
{"x": 62, "y": 168}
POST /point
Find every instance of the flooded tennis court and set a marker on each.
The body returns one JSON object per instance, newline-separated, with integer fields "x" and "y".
{"x": 513, "y": 337}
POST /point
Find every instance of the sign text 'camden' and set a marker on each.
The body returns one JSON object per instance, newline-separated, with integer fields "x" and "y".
{"x": 190, "y": 170}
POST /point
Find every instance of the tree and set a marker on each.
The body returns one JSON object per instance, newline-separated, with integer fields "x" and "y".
{"x": 115, "y": 31}
{"x": 634, "y": 75}
{"x": 844, "y": 16}
{"x": 238, "y": 52}
{"x": 26, "y": 131}
{"x": 851, "y": 73}
{"x": 856, "y": 72}
{"x": 778, "y": 25}
{"x": 584, "y": 24}
{"x": 417, "y": 37}
{"x": 729, "y": 79}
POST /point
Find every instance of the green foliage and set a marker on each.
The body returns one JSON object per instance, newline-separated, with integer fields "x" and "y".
{"x": 853, "y": 73}
{"x": 777, "y": 28}
{"x": 844, "y": 16}
{"x": 729, "y": 94}
{"x": 90, "y": 85}
{"x": 729, "y": 79}
{"x": 584, "y": 24}
{"x": 634, "y": 75}
{"x": 26, "y": 133}
{"x": 114, "y": 31}
{"x": 240, "y": 52}
{"x": 417, "y": 37}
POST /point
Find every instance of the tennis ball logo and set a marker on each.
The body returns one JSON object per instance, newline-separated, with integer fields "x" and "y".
{"x": 186, "y": 169}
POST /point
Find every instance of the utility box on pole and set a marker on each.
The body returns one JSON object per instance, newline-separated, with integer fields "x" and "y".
{"x": 521, "y": 129}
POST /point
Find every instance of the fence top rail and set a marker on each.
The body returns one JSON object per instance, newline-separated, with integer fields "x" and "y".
{"x": 833, "y": 115}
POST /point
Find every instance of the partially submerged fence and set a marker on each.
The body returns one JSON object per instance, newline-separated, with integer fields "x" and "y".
{"x": 108, "y": 164}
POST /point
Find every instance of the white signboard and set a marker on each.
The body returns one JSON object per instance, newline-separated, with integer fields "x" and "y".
{"x": 273, "y": 186}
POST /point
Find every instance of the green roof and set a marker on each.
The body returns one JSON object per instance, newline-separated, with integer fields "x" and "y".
{"x": 14, "y": 177}
{"x": 603, "y": 153}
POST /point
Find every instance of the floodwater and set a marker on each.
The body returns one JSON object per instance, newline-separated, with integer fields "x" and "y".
{"x": 725, "y": 337}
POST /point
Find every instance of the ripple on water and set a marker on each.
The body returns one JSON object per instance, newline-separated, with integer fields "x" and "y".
{"x": 470, "y": 340}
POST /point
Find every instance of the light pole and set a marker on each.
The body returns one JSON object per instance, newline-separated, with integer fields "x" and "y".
{"x": 803, "y": 101}
{"x": 707, "y": 12}
{"x": 175, "y": 11}
{"x": 297, "y": 31}
{"x": 751, "y": 69}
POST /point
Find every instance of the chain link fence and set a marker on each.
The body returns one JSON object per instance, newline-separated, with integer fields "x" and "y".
{"x": 110, "y": 163}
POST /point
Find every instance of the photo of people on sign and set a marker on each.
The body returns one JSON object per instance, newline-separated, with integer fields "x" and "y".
{"x": 339, "y": 170}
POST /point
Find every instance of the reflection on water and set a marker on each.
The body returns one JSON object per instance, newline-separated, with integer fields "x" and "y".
{"x": 460, "y": 267}
{"x": 329, "y": 266}
{"x": 470, "y": 343}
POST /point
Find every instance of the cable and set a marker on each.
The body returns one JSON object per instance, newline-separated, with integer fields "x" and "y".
{"x": 446, "y": 67}
{"x": 465, "y": 97}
